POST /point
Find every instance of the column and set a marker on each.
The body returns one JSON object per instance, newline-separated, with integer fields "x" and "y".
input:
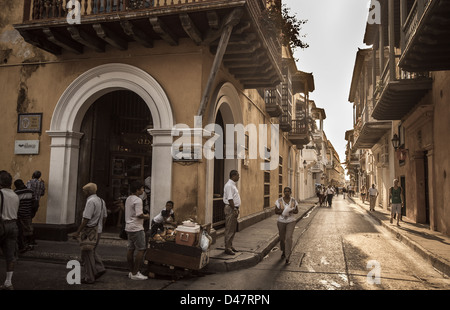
{"x": 62, "y": 183}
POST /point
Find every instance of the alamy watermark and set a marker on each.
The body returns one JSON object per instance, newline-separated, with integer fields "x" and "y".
{"x": 374, "y": 275}
{"x": 241, "y": 142}
{"x": 74, "y": 12}
{"x": 374, "y": 12}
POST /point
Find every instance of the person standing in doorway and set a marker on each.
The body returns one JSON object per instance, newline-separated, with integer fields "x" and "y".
{"x": 396, "y": 200}
{"x": 286, "y": 207}
{"x": 134, "y": 226}
{"x": 9, "y": 202}
{"x": 373, "y": 195}
{"x": 232, "y": 201}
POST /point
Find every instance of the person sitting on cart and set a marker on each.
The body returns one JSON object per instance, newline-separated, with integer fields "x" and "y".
{"x": 165, "y": 216}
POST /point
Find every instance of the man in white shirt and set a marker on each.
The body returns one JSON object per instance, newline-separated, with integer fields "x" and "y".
{"x": 134, "y": 226}
{"x": 232, "y": 202}
{"x": 94, "y": 214}
{"x": 10, "y": 206}
{"x": 373, "y": 194}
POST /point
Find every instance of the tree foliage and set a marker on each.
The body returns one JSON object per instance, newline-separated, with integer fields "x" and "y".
{"x": 280, "y": 21}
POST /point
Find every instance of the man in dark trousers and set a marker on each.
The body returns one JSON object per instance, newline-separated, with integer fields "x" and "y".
{"x": 232, "y": 202}
{"x": 9, "y": 206}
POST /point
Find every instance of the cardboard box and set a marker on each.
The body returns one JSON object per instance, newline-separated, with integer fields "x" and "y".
{"x": 172, "y": 254}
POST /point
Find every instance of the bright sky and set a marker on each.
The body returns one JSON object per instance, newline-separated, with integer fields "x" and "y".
{"x": 334, "y": 32}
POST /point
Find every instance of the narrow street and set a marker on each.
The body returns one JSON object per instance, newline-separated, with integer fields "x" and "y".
{"x": 333, "y": 247}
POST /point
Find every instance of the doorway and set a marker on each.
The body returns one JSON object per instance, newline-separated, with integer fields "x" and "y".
{"x": 219, "y": 183}
{"x": 115, "y": 150}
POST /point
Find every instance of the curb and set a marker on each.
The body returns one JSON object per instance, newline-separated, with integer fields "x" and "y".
{"x": 435, "y": 261}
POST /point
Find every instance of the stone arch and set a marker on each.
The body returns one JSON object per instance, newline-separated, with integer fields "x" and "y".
{"x": 65, "y": 136}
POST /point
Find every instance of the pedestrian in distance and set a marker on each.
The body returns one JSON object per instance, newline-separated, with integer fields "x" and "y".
{"x": 134, "y": 226}
{"x": 232, "y": 201}
{"x": 396, "y": 200}
{"x": 94, "y": 219}
{"x": 286, "y": 207}
{"x": 329, "y": 193}
{"x": 9, "y": 206}
{"x": 363, "y": 193}
{"x": 24, "y": 216}
{"x": 373, "y": 195}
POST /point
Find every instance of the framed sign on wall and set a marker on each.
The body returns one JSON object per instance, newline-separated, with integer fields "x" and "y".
{"x": 29, "y": 122}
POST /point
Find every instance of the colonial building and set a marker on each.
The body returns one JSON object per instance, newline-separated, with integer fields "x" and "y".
{"x": 119, "y": 90}
{"x": 407, "y": 84}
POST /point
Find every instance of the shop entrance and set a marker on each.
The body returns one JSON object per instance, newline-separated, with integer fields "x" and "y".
{"x": 115, "y": 150}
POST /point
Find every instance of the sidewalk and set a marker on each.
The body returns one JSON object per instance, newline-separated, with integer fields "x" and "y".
{"x": 253, "y": 244}
{"x": 433, "y": 246}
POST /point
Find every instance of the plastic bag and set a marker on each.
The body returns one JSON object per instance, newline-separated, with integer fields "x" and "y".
{"x": 205, "y": 241}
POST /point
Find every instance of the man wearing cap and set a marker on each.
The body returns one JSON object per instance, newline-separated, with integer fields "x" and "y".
{"x": 94, "y": 214}
{"x": 232, "y": 202}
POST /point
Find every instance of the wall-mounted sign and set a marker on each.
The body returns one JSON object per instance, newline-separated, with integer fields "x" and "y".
{"x": 29, "y": 122}
{"x": 26, "y": 147}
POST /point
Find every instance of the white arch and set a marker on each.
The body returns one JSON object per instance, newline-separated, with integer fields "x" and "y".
{"x": 226, "y": 99}
{"x": 65, "y": 136}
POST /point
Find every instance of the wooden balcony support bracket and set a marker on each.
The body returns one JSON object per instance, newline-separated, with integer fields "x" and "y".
{"x": 230, "y": 21}
{"x": 163, "y": 31}
{"x": 136, "y": 33}
{"x": 42, "y": 44}
{"x": 86, "y": 39}
{"x": 190, "y": 28}
{"x": 110, "y": 37}
{"x": 63, "y": 41}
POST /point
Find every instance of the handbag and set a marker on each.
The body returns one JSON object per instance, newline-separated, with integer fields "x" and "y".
{"x": 2, "y": 224}
{"x": 89, "y": 235}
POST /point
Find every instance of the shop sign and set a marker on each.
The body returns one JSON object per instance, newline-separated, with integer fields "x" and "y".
{"x": 26, "y": 147}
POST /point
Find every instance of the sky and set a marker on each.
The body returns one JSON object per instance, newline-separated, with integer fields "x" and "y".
{"x": 334, "y": 32}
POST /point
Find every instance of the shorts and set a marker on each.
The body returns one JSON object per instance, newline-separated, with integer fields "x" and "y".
{"x": 136, "y": 240}
{"x": 396, "y": 208}
{"x": 9, "y": 244}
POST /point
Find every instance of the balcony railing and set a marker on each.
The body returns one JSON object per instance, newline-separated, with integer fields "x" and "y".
{"x": 51, "y": 9}
{"x": 272, "y": 98}
{"x": 413, "y": 19}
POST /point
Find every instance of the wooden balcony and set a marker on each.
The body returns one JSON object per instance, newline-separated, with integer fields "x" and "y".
{"x": 252, "y": 56}
{"x": 370, "y": 131}
{"x": 399, "y": 92}
{"x": 427, "y": 37}
{"x": 272, "y": 99}
{"x": 300, "y": 133}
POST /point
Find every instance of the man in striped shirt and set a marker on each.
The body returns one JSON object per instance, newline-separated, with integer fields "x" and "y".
{"x": 38, "y": 188}
{"x": 24, "y": 215}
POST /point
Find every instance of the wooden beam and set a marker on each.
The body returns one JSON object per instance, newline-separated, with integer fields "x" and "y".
{"x": 86, "y": 39}
{"x": 190, "y": 28}
{"x": 63, "y": 41}
{"x": 40, "y": 42}
{"x": 230, "y": 21}
{"x": 136, "y": 33}
{"x": 163, "y": 31}
{"x": 110, "y": 36}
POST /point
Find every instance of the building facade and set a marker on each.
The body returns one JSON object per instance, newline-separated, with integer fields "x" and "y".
{"x": 132, "y": 90}
{"x": 402, "y": 107}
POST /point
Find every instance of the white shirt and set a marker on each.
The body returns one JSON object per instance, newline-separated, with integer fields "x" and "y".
{"x": 133, "y": 208}
{"x": 330, "y": 191}
{"x": 230, "y": 192}
{"x": 10, "y": 204}
{"x": 287, "y": 216}
{"x": 373, "y": 191}
{"x": 95, "y": 212}
{"x": 160, "y": 219}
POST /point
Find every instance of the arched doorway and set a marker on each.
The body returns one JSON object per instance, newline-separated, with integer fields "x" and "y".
{"x": 115, "y": 150}
{"x": 65, "y": 132}
{"x": 225, "y": 110}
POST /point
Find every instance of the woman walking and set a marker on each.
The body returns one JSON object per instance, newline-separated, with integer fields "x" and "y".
{"x": 286, "y": 207}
